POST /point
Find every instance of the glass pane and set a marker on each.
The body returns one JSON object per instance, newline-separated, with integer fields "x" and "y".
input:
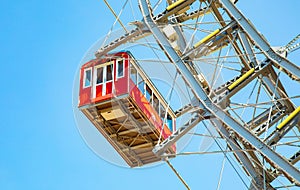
{"x": 120, "y": 68}
{"x": 169, "y": 122}
{"x": 148, "y": 93}
{"x": 133, "y": 74}
{"x": 87, "y": 80}
{"x": 141, "y": 84}
{"x": 162, "y": 111}
{"x": 99, "y": 75}
{"x": 109, "y": 72}
{"x": 155, "y": 103}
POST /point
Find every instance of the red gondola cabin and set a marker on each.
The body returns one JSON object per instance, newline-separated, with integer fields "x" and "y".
{"x": 124, "y": 105}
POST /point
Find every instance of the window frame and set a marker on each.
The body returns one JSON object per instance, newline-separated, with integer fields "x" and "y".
{"x": 110, "y": 64}
{"x": 104, "y": 72}
{"x": 133, "y": 74}
{"x": 117, "y": 68}
{"x": 141, "y": 84}
{"x": 96, "y": 74}
{"x": 85, "y": 75}
{"x": 148, "y": 93}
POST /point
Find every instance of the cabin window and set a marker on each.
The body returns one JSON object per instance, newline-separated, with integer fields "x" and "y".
{"x": 141, "y": 87}
{"x": 120, "y": 68}
{"x": 162, "y": 111}
{"x": 109, "y": 72}
{"x": 148, "y": 93}
{"x": 141, "y": 84}
{"x": 133, "y": 74}
{"x": 169, "y": 122}
{"x": 155, "y": 103}
{"x": 87, "y": 77}
{"x": 99, "y": 79}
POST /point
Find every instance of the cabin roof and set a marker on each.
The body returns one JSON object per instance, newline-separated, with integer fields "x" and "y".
{"x": 104, "y": 59}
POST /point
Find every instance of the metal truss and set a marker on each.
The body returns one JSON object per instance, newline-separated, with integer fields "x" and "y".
{"x": 213, "y": 108}
{"x": 259, "y": 63}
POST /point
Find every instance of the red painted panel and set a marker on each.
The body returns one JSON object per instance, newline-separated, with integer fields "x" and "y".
{"x": 108, "y": 88}
{"x": 121, "y": 87}
{"x": 98, "y": 90}
{"x": 85, "y": 96}
{"x": 102, "y": 98}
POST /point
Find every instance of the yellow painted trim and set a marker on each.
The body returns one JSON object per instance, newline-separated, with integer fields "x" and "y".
{"x": 241, "y": 79}
{"x": 289, "y": 118}
{"x": 172, "y": 6}
{"x": 207, "y": 38}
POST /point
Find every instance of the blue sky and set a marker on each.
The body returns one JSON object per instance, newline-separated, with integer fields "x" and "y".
{"x": 41, "y": 45}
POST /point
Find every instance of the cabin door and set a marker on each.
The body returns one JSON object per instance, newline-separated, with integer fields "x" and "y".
{"x": 103, "y": 79}
{"x": 108, "y": 79}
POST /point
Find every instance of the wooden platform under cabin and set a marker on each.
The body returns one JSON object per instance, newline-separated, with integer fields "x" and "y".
{"x": 127, "y": 129}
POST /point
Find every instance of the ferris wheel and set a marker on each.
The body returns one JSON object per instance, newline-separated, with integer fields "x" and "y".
{"x": 188, "y": 69}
